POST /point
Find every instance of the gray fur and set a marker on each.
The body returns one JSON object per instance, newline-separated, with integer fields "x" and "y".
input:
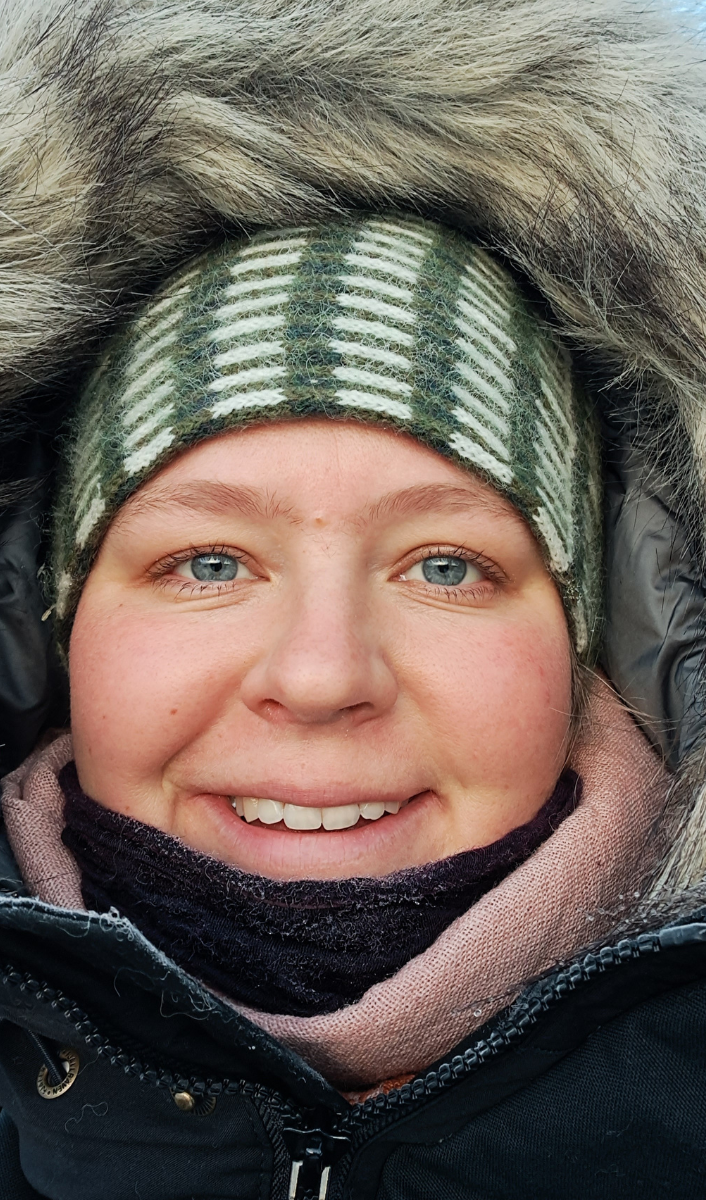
{"x": 568, "y": 134}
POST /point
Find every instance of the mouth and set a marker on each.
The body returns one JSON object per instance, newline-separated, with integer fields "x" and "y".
{"x": 302, "y": 818}
{"x": 281, "y": 839}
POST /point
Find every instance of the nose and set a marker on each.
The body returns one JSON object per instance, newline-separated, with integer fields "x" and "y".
{"x": 325, "y": 663}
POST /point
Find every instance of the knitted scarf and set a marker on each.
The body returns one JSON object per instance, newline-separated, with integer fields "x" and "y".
{"x": 304, "y": 947}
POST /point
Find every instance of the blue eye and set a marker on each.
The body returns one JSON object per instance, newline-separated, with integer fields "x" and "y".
{"x": 216, "y": 567}
{"x": 445, "y": 570}
{"x": 213, "y": 568}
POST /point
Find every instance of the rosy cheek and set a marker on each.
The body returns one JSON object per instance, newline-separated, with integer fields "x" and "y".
{"x": 534, "y": 706}
{"x": 503, "y": 703}
{"x": 139, "y": 693}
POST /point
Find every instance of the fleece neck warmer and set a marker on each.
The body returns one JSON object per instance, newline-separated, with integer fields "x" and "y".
{"x": 300, "y": 947}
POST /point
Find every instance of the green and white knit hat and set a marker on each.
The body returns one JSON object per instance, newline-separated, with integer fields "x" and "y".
{"x": 385, "y": 319}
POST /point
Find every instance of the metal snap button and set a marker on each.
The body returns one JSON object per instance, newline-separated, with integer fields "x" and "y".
{"x": 200, "y": 1106}
{"x": 50, "y": 1091}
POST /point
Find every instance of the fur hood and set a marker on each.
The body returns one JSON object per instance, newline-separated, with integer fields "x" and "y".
{"x": 569, "y": 137}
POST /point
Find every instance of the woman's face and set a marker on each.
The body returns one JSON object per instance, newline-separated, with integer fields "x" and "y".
{"x": 329, "y": 619}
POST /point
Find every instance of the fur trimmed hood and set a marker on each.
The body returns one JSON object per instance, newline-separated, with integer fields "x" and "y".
{"x": 569, "y": 138}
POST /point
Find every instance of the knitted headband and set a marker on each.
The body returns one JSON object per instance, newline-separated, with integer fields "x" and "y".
{"x": 390, "y": 320}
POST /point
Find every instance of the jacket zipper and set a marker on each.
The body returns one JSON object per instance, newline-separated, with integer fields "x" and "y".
{"x": 314, "y": 1149}
{"x": 313, "y": 1153}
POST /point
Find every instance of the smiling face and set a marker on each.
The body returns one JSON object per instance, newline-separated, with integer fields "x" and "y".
{"x": 320, "y": 650}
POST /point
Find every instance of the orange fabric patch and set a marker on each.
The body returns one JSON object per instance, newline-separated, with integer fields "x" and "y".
{"x": 380, "y": 1089}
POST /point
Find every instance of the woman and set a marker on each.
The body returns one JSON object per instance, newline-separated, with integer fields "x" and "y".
{"x": 245, "y": 676}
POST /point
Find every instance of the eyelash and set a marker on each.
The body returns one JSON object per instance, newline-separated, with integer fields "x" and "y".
{"x": 462, "y": 592}
{"x": 161, "y": 570}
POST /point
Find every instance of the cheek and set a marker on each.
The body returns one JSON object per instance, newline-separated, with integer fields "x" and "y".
{"x": 500, "y": 702}
{"x": 140, "y": 690}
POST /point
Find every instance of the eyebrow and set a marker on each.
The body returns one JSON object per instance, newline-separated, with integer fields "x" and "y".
{"x": 438, "y": 497}
{"x": 209, "y": 496}
{"x": 216, "y": 498}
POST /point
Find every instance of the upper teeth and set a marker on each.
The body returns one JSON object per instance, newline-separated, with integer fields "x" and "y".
{"x": 298, "y": 816}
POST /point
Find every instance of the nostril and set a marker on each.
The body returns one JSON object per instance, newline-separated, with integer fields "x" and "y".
{"x": 284, "y": 714}
{"x": 272, "y": 710}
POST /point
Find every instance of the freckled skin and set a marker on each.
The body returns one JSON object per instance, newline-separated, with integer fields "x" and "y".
{"x": 329, "y": 671}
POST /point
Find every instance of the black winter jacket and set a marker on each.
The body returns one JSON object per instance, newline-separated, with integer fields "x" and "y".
{"x": 571, "y": 139}
{"x": 592, "y": 1085}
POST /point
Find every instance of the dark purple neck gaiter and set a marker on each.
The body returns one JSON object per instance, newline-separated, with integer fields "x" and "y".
{"x": 302, "y": 947}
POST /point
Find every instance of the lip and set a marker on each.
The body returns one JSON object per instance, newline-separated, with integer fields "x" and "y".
{"x": 328, "y": 796}
{"x": 366, "y": 849}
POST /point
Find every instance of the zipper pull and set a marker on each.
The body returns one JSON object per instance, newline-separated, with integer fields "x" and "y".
{"x": 313, "y": 1153}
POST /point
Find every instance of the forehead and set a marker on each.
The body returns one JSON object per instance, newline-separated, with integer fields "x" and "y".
{"x": 296, "y": 470}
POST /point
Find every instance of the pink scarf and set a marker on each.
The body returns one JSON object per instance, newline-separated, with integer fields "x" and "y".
{"x": 570, "y": 893}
